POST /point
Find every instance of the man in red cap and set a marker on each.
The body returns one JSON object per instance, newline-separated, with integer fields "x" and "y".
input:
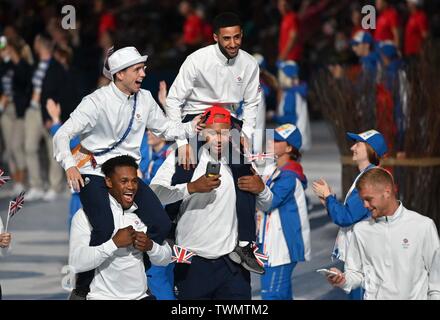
{"x": 111, "y": 122}
{"x": 208, "y": 220}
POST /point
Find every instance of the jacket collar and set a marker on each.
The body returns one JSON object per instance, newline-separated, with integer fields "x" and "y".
{"x": 224, "y": 61}
{"x": 396, "y": 215}
{"x": 119, "y": 94}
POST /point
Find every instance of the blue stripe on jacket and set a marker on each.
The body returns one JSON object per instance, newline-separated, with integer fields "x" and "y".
{"x": 283, "y": 191}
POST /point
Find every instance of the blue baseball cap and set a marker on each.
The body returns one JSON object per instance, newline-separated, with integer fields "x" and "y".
{"x": 289, "y": 133}
{"x": 388, "y": 49}
{"x": 289, "y": 68}
{"x": 374, "y": 138}
{"x": 361, "y": 37}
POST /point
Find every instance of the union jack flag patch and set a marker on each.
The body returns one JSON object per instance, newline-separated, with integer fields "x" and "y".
{"x": 181, "y": 255}
{"x": 261, "y": 258}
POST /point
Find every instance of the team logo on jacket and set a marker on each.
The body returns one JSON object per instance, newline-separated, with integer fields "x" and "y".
{"x": 405, "y": 243}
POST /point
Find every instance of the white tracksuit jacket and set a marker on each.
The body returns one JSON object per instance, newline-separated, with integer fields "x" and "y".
{"x": 394, "y": 257}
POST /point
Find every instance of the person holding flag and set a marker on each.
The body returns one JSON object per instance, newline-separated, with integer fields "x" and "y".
{"x": 119, "y": 271}
{"x": 226, "y": 75}
{"x": 5, "y": 242}
{"x": 111, "y": 121}
{"x": 207, "y": 223}
{"x": 5, "y": 237}
{"x": 284, "y": 229}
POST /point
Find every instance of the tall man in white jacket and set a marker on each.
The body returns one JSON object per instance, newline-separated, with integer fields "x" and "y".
{"x": 207, "y": 220}
{"x": 393, "y": 254}
{"x": 111, "y": 121}
{"x": 225, "y": 75}
{"x": 118, "y": 262}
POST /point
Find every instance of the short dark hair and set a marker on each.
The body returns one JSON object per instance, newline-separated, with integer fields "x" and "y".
{"x": 224, "y": 20}
{"x": 108, "y": 167}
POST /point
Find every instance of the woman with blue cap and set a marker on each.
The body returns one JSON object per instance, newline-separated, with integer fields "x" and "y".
{"x": 369, "y": 148}
{"x": 284, "y": 230}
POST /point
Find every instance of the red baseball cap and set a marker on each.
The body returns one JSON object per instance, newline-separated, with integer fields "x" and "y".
{"x": 217, "y": 114}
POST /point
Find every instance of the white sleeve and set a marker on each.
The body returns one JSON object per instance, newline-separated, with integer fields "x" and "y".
{"x": 161, "y": 183}
{"x": 83, "y": 257}
{"x": 264, "y": 199}
{"x": 252, "y": 98}
{"x": 160, "y": 255}
{"x": 353, "y": 266}
{"x": 82, "y": 120}
{"x": 179, "y": 92}
{"x": 160, "y": 125}
{"x": 434, "y": 277}
{"x": 431, "y": 258}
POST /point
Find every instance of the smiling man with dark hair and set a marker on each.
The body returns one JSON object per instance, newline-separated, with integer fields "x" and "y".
{"x": 111, "y": 121}
{"x": 225, "y": 75}
{"x": 119, "y": 271}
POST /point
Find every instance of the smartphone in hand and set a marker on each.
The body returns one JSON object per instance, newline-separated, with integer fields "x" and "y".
{"x": 327, "y": 272}
{"x": 212, "y": 168}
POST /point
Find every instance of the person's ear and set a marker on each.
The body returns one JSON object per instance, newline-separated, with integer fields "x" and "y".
{"x": 387, "y": 192}
{"x": 120, "y": 75}
{"x": 289, "y": 148}
{"x": 215, "y": 37}
{"x": 108, "y": 182}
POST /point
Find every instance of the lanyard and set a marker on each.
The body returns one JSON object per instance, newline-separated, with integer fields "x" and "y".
{"x": 125, "y": 133}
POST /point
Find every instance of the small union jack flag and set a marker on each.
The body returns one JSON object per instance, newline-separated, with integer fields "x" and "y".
{"x": 182, "y": 255}
{"x": 261, "y": 258}
{"x": 3, "y": 179}
{"x": 260, "y": 156}
{"x": 16, "y": 204}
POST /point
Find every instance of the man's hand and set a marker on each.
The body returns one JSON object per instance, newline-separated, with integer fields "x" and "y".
{"x": 204, "y": 184}
{"x": 142, "y": 242}
{"x": 124, "y": 237}
{"x": 5, "y": 240}
{"x": 198, "y": 123}
{"x": 253, "y": 184}
{"x": 186, "y": 157}
{"x": 54, "y": 110}
{"x": 74, "y": 178}
{"x": 162, "y": 94}
{"x": 336, "y": 281}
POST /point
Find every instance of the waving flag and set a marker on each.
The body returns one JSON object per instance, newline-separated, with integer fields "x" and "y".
{"x": 3, "y": 179}
{"x": 181, "y": 255}
{"x": 261, "y": 258}
{"x": 15, "y": 205}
